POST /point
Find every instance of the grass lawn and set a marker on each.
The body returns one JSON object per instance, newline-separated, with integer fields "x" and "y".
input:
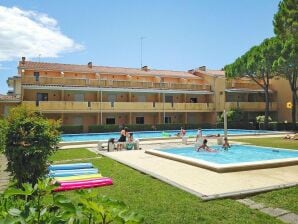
{"x": 276, "y": 142}
{"x": 285, "y": 198}
{"x": 71, "y": 154}
{"x": 161, "y": 203}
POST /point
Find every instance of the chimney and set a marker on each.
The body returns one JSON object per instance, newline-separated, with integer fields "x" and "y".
{"x": 202, "y": 68}
{"x": 23, "y": 60}
{"x": 90, "y": 64}
{"x": 145, "y": 68}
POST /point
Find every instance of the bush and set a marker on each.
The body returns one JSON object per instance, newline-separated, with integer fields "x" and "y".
{"x": 38, "y": 205}
{"x": 103, "y": 128}
{"x": 139, "y": 127}
{"x": 30, "y": 140}
{"x": 72, "y": 129}
{"x": 3, "y": 132}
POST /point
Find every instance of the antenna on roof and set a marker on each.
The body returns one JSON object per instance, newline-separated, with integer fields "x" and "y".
{"x": 142, "y": 38}
{"x": 39, "y": 57}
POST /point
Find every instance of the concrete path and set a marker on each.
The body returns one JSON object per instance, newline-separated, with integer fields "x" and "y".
{"x": 205, "y": 183}
{"x": 4, "y": 176}
{"x": 281, "y": 214}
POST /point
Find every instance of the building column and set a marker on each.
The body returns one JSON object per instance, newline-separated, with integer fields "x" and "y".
{"x": 101, "y": 108}
{"x": 62, "y": 95}
{"x": 158, "y": 119}
{"x": 185, "y": 118}
{"x": 130, "y": 118}
{"x": 98, "y": 119}
{"x": 62, "y": 118}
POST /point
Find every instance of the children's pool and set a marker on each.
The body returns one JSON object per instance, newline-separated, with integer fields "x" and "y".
{"x": 235, "y": 154}
{"x": 237, "y": 158}
{"x": 158, "y": 134}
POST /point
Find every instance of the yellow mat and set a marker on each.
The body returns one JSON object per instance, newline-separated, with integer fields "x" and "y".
{"x": 80, "y": 177}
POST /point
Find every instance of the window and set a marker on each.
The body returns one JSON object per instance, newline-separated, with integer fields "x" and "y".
{"x": 41, "y": 97}
{"x": 169, "y": 99}
{"x": 79, "y": 97}
{"x": 36, "y": 75}
{"x": 78, "y": 120}
{"x": 140, "y": 120}
{"x": 193, "y": 100}
{"x": 110, "y": 120}
{"x": 168, "y": 120}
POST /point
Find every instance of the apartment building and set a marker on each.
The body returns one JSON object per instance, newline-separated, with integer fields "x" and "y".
{"x": 96, "y": 95}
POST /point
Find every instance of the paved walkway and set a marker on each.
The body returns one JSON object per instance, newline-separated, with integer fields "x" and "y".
{"x": 4, "y": 176}
{"x": 205, "y": 183}
{"x": 283, "y": 215}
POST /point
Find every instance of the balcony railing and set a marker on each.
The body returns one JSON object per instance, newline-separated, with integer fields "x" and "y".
{"x": 251, "y": 106}
{"x": 63, "y": 81}
{"x": 243, "y": 85}
{"x": 73, "y": 106}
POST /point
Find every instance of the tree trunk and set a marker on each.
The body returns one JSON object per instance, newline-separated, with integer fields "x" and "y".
{"x": 293, "y": 85}
{"x": 267, "y": 101}
{"x": 294, "y": 103}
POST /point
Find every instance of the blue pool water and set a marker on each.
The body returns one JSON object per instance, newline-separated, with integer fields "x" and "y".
{"x": 235, "y": 154}
{"x": 157, "y": 134}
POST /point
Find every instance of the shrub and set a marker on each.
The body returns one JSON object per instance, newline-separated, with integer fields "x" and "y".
{"x": 3, "y": 132}
{"x": 103, "y": 128}
{"x": 71, "y": 129}
{"x": 30, "y": 140}
{"x": 39, "y": 205}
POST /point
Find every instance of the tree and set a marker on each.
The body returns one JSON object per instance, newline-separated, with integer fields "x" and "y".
{"x": 30, "y": 140}
{"x": 3, "y": 132}
{"x": 257, "y": 63}
{"x": 286, "y": 28}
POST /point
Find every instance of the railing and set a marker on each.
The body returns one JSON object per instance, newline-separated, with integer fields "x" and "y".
{"x": 63, "y": 81}
{"x": 243, "y": 85}
{"x": 251, "y": 106}
{"x": 73, "y": 106}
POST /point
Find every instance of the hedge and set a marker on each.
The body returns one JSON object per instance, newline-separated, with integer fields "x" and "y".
{"x": 71, "y": 129}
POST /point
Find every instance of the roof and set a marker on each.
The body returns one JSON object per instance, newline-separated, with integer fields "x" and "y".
{"x": 211, "y": 72}
{"x": 9, "y": 98}
{"x": 44, "y": 66}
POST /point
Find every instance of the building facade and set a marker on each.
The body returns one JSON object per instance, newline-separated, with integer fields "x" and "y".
{"x": 97, "y": 95}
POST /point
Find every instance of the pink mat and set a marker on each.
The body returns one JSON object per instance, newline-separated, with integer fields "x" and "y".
{"x": 66, "y": 186}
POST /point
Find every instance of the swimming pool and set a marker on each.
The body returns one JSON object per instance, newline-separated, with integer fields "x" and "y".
{"x": 238, "y": 157}
{"x": 158, "y": 134}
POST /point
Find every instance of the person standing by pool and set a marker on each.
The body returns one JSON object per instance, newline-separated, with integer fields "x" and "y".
{"x": 199, "y": 134}
{"x": 205, "y": 147}
{"x": 182, "y": 132}
{"x": 226, "y": 144}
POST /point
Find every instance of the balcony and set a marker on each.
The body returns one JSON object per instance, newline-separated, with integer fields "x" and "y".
{"x": 250, "y": 106}
{"x": 79, "y": 82}
{"x": 77, "y": 107}
{"x": 243, "y": 85}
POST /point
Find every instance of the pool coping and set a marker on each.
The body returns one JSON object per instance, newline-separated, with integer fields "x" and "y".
{"x": 60, "y": 144}
{"x": 224, "y": 168}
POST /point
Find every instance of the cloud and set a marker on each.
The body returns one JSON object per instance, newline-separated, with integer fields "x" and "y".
{"x": 31, "y": 34}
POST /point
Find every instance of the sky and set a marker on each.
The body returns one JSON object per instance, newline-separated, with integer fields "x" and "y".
{"x": 176, "y": 34}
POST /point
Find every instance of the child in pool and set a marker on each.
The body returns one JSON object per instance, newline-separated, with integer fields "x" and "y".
{"x": 205, "y": 147}
{"x": 226, "y": 144}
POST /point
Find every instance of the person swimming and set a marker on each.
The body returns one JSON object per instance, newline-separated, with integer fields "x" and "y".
{"x": 205, "y": 147}
{"x": 226, "y": 144}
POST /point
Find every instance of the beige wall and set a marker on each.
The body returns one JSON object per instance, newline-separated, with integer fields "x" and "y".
{"x": 6, "y": 105}
{"x": 284, "y": 95}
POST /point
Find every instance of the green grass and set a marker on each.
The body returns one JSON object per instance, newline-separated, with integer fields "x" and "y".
{"x": 276, "y": 142}
{"x": 285, "y": 198}
{"x": 161, "y": 203}
{"x": 69, "y": 154}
